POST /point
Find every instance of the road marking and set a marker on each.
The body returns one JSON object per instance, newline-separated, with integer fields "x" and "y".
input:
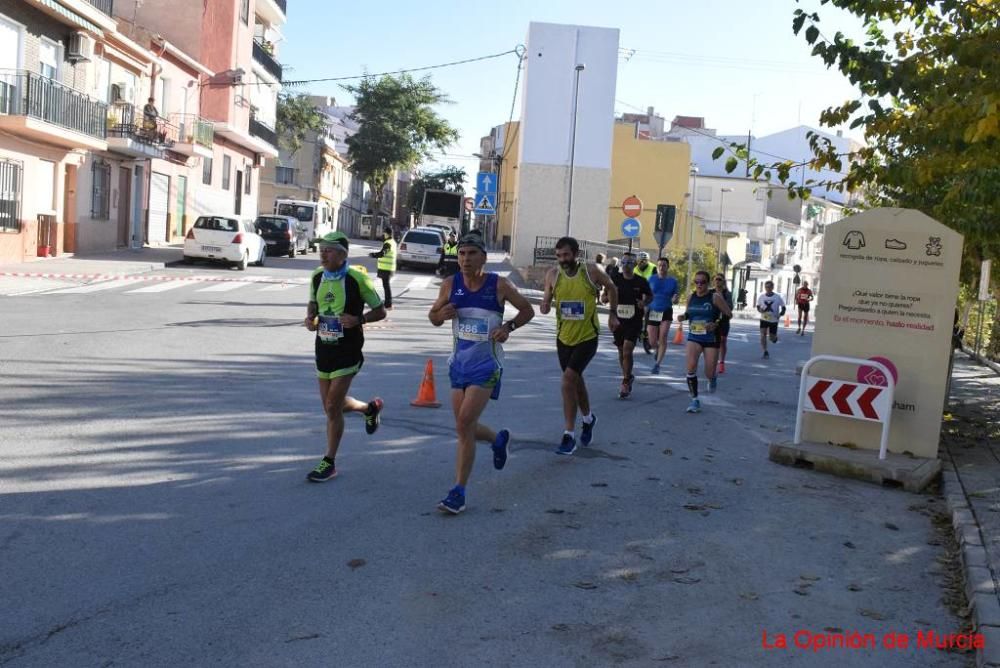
{"x": 93, "y": 287}
{"x": 224, "y": 287}
{"x": 281, "y": 286}
{"x": 158, "y": 287}
{"x": 419, "y": 283}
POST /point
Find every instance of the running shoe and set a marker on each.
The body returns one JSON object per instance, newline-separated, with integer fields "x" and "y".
{"x": 567, "y": 446}
{"x": 501, "y": 448}
{"x": 694, "y": 406}
{"x": 587, "y": 430}
{"x": 713, "y": 384}
{"x": 655, "y": 370}
{"x": 324, "y": 471}
{"x": 454, "y": 503}
{"x": 373, "y": 415}
{"x": 767, "y": 355}
{"x": 624, "y": 391}
{"x": 722, "y": 367}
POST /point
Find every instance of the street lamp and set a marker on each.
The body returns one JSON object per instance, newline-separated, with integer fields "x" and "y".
{"x": 693, "y": 172}
{"x": 722, "y": 201}
{"x": 572, "y": 146}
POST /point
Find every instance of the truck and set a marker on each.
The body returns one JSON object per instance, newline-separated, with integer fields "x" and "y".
{"x": 317, "y": 217}
{"x": 443, "y": 209}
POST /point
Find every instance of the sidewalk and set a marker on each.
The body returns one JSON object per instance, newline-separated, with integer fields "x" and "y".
{"x": 970, "y": 448}
{"x": 125, "y": 262}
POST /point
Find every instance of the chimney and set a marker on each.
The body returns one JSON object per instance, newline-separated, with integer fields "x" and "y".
{"x": 649, "y": 112}
{"x": 840, "y": 133}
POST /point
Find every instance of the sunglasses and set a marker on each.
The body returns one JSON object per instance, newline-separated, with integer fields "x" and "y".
{"x": 701, "y": 282}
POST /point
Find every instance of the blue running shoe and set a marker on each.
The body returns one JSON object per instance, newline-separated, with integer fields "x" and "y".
{"x": 713, "y": 384}
{"x": 567, "y": 446}
{"x": 587, "y": 430}
{"x": 454, "y": 503}
{"x": 501, "y": 448}
{"x": 655, "y": 370}
{"x": 694, "y": 406}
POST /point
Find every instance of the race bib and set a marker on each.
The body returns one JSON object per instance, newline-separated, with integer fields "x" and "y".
{"x": 698, "y": 327}
{"x": 330, "y": 329}
{"x": 626, "y": 311}
{"x": 768, "y": 316}
{"x": 473, "y": 329}
{"x": 571, "y": 310}
{"x": 656, "y": 316}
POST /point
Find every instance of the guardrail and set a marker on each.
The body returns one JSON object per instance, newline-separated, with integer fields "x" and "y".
{"x": 262, "y": 131}
{"x": 193, "y": 129}
{"x": 545, "y": 250}
{"x": 267, "y": 61}
{"x": 123, "y": 121}
{"x": 24, "y": 93}
{"x": 106, "y": 6}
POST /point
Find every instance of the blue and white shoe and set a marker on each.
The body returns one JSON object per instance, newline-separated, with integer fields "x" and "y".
{"x": 454, "y": 503}
{"x": 587, "y": 430}
{"x": 713, "y": 384}
{"x": 567, "y": 446}
{"x": 694, "y": 406}
{"x": 655, "y": 370}
{"x": 501, "y": 448}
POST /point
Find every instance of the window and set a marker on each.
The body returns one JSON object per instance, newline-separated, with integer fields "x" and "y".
{"x": 206, "y": 171}
{"x": 284, "y": 175}
{"x": 48, "y": 59}
{"x": 100, "y": 197}
{"x": 244, "y": 11}
{"x": 227, "y": 166}
{"x": 11, "y": 180}
{"x": 247, "y": 177}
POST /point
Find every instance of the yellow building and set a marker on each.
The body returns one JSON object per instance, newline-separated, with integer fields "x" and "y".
{"x": 507, "y": 194}
{"x": 657, "y": 172}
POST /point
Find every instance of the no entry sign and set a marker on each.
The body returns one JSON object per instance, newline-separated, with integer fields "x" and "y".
{"x": 632, "y": 206}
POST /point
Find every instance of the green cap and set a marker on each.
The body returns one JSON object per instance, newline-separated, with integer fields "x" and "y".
{"x": 335, "y": 239}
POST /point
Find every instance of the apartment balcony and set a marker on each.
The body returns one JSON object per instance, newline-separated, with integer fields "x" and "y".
{"x": 264, "y": 132}
{"x": 261, "y": 56}
{"x": 131, "y": 133}
{"x": 39, "y": 108}
{"x": 274, "y": 11}
{"x": 195, "y": 135}
{"x": 106, "y": 6}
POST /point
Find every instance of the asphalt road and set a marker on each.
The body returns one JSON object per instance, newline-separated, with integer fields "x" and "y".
{"x": 155, "y": 437}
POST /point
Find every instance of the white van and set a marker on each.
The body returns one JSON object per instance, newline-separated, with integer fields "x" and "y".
{"x": 316, "y": 217}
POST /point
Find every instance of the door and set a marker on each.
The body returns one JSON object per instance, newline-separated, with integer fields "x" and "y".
{"x": 138, "y": 196}
{"x": 124, "y": 200}
{"x": 181, "y": 208}
{"x": 69, "y": 210}
{"x": 238, "y": 203}
{"x": 159, "y": 207}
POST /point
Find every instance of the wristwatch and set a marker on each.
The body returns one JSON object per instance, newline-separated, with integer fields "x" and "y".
{"x": 511, "y": 326}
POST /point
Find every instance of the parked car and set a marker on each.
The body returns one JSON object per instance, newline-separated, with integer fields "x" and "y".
{"x": 283, "y": 235}
{"x": 421, "y": 246}
{"x": 227, "y": 239}
{"x": 446, "y": 229}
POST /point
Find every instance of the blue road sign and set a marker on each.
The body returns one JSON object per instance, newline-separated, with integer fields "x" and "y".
{"x": 631, "y": 227}
{"x": 486, "y": 203}
{"x": 486, "y": 183}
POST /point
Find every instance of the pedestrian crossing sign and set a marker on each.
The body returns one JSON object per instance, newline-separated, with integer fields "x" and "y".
{"x": 486, "y": 203}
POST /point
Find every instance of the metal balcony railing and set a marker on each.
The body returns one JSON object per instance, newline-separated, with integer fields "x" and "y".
{"x": 123, "y": 121}
{"x": 266, "y": 60}
{"x": 262, "y": 131}
{"x": 193, "y": 129}
{"x": 106, "y": 6}
{"x": 25, "y": 93}
{"x": 284, "y": 6}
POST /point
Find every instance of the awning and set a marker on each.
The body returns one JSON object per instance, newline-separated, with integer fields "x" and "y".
{"x": 71, "y": 15}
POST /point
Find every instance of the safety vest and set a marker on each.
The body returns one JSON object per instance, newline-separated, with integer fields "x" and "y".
{"x": 647, "y": 272}
{"x": 388, "y": 260}
{"x": 451, "y": 249}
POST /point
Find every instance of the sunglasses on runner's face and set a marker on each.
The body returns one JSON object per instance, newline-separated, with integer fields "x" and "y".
{"x": 697, "y": 282}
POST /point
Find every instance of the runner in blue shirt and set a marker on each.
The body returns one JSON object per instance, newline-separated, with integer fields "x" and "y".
{"x": 661, "y": 310}
{"x": 704, "y": 314}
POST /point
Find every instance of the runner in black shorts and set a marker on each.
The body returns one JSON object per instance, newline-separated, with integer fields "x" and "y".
{"x": 633, "y": 296}
{"x": 722, "y": 331}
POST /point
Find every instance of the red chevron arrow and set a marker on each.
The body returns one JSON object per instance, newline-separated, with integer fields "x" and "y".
{"x": 840, "y": 398}
{"x": 865, "y": 402}
{"x": 816, "y": 395}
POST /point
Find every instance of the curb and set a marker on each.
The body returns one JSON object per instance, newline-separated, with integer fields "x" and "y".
{"x": 144, "y": 277}
{"x": 980, "y": 588}
{"x": 981, "y": 360}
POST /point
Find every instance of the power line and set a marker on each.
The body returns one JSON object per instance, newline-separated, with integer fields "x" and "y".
{"x": 509, "y": 141}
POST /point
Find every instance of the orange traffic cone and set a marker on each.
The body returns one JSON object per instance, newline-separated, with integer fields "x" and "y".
{"x": 425, "y": 396}
{"x": 679, "y": 336}
{"x": 788, "y": 320}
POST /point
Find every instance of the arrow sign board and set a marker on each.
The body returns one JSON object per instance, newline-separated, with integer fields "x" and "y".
{"x": 632, "y": 206}
{"x": 486, "y": 203}
{"x": 486, "y": 182}
{"x": 853, "y": 400}
{"x": 631, "y": 228}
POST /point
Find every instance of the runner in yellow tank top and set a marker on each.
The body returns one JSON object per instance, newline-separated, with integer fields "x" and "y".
{"x": 574, "y": 287}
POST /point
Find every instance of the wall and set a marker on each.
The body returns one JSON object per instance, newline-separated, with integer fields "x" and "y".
{"x": 546, "y": 134}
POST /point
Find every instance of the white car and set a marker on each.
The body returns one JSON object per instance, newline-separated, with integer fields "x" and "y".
{"x": 421, "y": 246}
{"x": 225, "y": 239}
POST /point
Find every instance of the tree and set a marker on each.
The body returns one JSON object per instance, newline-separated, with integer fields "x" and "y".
{"x": 448, "y": 178}
{"x": 398, "y": 127}
{"x": 296, "y": 117}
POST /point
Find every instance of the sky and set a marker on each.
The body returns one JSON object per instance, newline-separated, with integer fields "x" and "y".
{"x": 734, "y": 62}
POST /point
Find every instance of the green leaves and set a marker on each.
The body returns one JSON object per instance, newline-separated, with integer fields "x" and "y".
{"x": 296, "y": 118}
{"x": 812, "y": 34}
{"x": 731, "y": 164}
{"x": 718, "y": 152}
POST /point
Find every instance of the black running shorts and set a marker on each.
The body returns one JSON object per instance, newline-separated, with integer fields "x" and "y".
{"x": 576, "y": 357}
